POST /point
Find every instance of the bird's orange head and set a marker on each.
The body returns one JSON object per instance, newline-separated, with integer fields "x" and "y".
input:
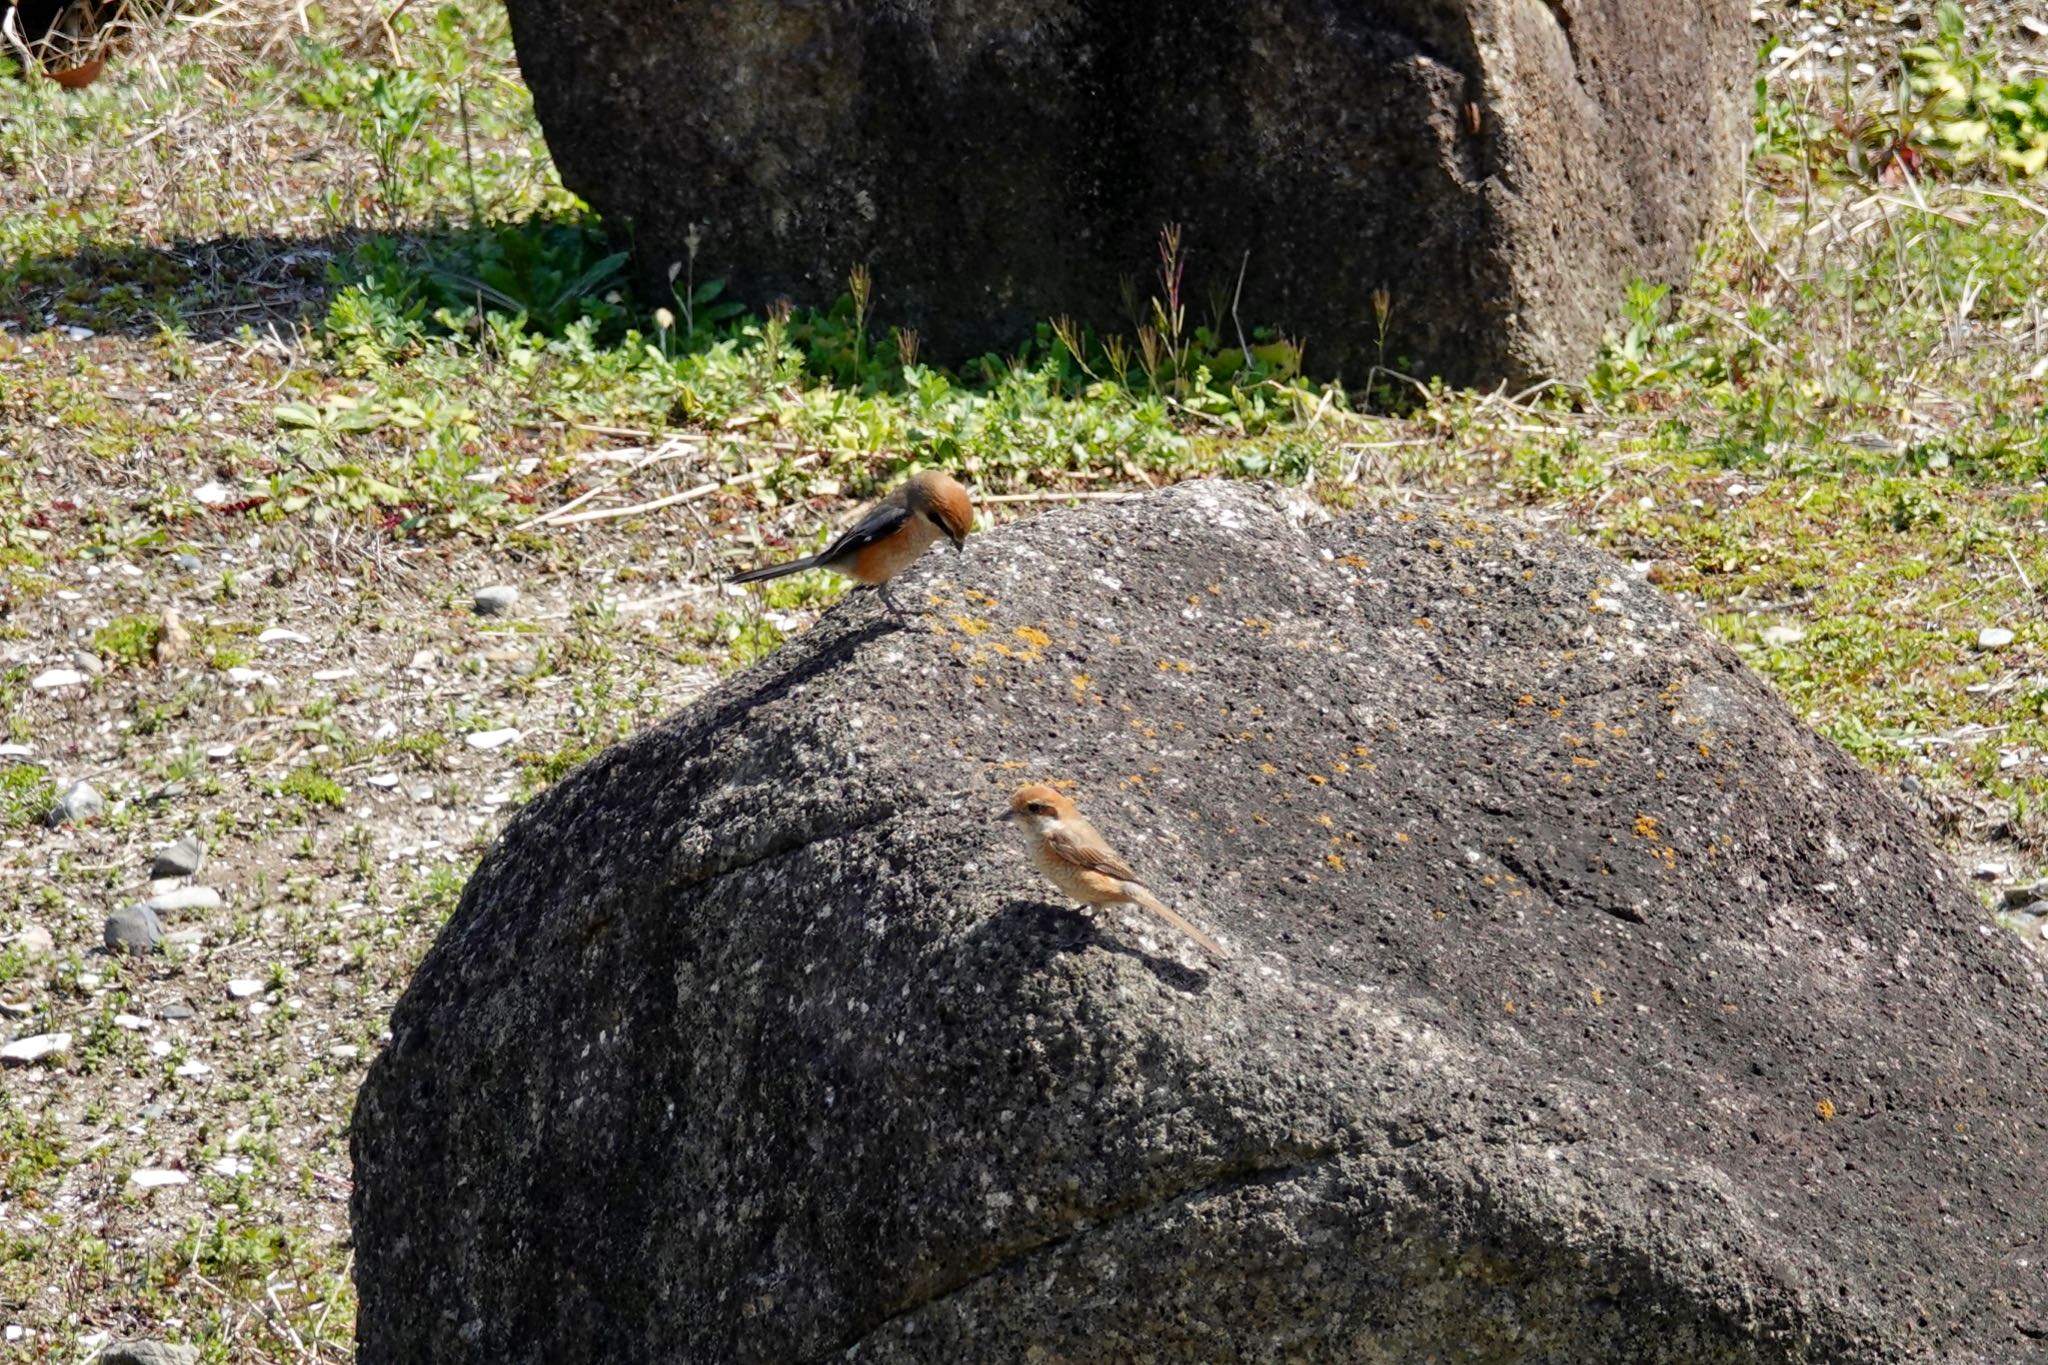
{"x": 1037, "y": 804}
{"x": 941, "y": 500}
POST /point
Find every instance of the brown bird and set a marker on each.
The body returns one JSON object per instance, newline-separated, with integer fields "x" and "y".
{"x": 889, "y": 536}
{"x": 172, "y": 639}
{"x": 1075, "y": 858}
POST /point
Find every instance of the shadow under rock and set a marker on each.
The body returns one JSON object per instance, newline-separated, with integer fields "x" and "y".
{"x": 209, "y": 290}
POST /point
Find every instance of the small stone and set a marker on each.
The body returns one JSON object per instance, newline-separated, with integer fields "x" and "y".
{"x": 221, "y": 752}
{"x": 35, "y": 941}
{"x": 78, "y": 804}
{"x": 35, "y": 1048}
{"x": 160, "y": 1048}
{"x": 2022, "y": 895}
{"x": 1994, "y": 637}
{"x": 243, "y": 987}
{"x": 16, "y": 750}
{"x": 497, "y": 600}
{"x": 384, "y": 780}
{"x": 87, "y": 663}
{"x": 188, "y": 563}
{"x": 176, "y": 1012}
{"x": 1779, "y": 637}
{"x": 74, "y": 332}
{"x": 185, "y": 898}
{"x": 155, "y": 1178}
{"x": 232, "y": 1166}
{"x": 152, "y": 1111}
{"x": 181, "y": 859}
{"x": 2031, "y": 910}
{"x": 346, "y": 1052}
{"x": 211, "y": 494}
{"x": 491, "y": 739}
{"x": 333, "y": 674}
{"x": 191, "y": 1070}
{"x": 135, "y": 929}
{"x": 279, "y": 635}
{"x": 50, "y": 679}
{"x": 150, "y": 1353}
{"x": 1991, "y": 872}
{"x": 134, "y": 1023}
{"x": 248, "y": 677}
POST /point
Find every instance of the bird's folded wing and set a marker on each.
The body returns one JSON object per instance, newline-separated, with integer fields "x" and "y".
{"x": 882, "y": 521}
{"x": 1088, "y": 854}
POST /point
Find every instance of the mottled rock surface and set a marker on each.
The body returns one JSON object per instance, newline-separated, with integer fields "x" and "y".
{"x": 1585, "y": 1006}
{"x": 1502, "y": 167}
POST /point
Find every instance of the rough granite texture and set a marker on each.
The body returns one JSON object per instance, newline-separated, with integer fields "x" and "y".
{"x": 1585, "y": 1006}
{"x": 1502, "y": 167}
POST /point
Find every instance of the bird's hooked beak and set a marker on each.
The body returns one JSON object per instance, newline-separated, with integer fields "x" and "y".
{"x": 959, "y": 541}
{"x": 1006, "y": 817}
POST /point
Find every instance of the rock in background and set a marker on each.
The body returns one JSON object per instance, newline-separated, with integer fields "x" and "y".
{"x": 1585, "y": 1006}
{"x": 1501, "y": 167}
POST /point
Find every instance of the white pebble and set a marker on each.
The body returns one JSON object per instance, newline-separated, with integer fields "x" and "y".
{"x": 36, "y": 1048}
{"x": 243, "y": 987}
{"x": 151, "y": 1177}
{"x": 491, "y": 739}
{"x": 50, "y": 679}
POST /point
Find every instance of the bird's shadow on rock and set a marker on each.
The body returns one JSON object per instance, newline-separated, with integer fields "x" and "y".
{"x": 1042, "y": 931}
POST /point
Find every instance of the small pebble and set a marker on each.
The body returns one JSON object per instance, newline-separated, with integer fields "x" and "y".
{"x": 87, "y": 663}
{"x": 79, "y": 803}
{"x": 384, "y": 780}
{"x": 152, "y": 1111}
{"x": 50, "y": 679}
{"x": 496, "y": 600}
{"x": 151, "y": 1178}
{"x": 22, "y": 1051}
{"x": 176, "y": 1012}
{"x": 333, "y": 674}
{"x": 16, "y": 750}
{"x": 35, "y": 941}
{"x": 190, "y": 1070}
{"x": 249, "y": 677}
{"x": 134, "y": 1023}
{"x": 221, "y": 751}
{"x": 185, "y": 898}
{"x": 211, "y": 494}
{"x": 278, "y": 635}
{"x": 149, "y": 1353}
{"x": 243, "y": 987}
{"x": 1991, "y": 872}
{"x": 2021, "y": 895}
{"x": 188, "y": 563}
{"x": 181, "y": 859}
{"x": 1778, "y": 637}
{"x": 1994, "y": 637}
{"x": 135, "y": 929}
{"x": 491, "y": 739}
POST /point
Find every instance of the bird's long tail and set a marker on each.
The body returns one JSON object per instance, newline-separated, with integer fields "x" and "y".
{"x": 775, "y": 570}
{"x": 1156, "y": 906}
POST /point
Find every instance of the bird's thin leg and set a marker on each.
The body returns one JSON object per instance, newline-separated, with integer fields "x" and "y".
{"x": 902, "y": 617}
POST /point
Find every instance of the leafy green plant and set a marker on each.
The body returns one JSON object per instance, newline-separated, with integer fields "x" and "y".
{"x": 1967, "y": 110}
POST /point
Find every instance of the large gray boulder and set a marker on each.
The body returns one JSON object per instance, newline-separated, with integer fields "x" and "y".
{"x": 1501, "y": 167}
{"x": 1584, "y": 1006}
